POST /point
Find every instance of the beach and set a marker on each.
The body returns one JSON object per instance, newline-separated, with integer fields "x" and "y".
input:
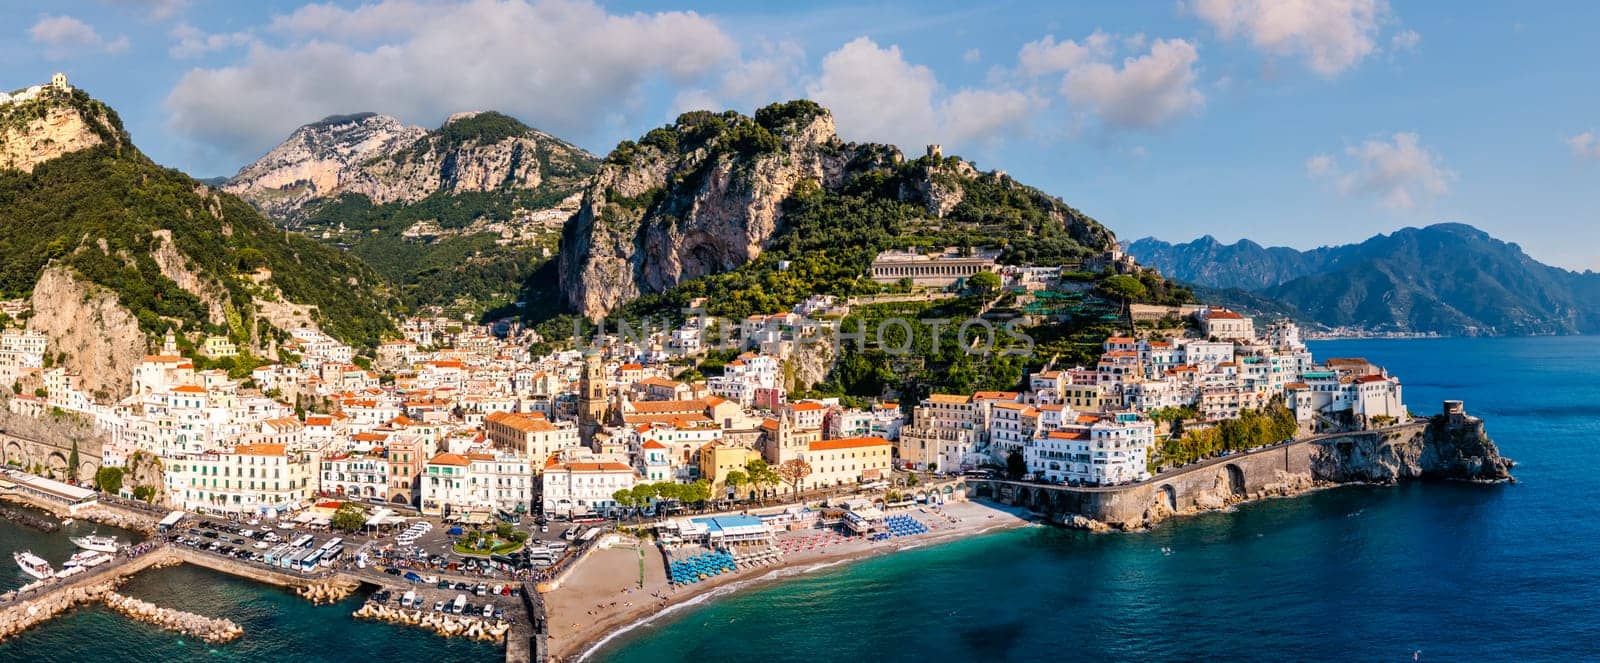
{"x": 623, "y": 586}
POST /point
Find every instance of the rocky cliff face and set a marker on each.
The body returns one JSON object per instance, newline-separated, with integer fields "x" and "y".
{"x": 655, "y": 215}
{"x": 710, "y": 193}
{"x": 1444, "y": 449}
{"x": 59, "y": 131}
{"x": 386, "y": 161}
{"x": 100, "y": 337}
{"x": 319, "y": 160}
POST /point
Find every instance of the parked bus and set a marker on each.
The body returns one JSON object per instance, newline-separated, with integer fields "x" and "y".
{"x": 333, "y": 543}
{"x": 303, "y": 542}
{"x": 309, "y": 562}
{"x": 331, "y": 555}
{"x": 291, "y": 560}
{"x": 170, "y": 521}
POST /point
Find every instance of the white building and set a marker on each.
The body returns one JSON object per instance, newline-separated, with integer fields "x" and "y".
{"x": 1109, "y": 451}
{"x": 250, "y": 479}
{"x": 576, "y": 484}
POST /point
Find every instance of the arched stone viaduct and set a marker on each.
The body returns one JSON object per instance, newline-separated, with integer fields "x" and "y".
{"x": 52, "y": 456}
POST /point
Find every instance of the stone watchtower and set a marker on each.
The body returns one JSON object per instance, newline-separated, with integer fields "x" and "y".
{"x": 935, "y": 151}
{"x": 591, "y": 395}
{"x": 59, "y": 82}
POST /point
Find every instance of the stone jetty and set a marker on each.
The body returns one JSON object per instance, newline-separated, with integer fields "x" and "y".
{"x": 445, "y": 625}
{"x": 21, "y": 612}
{"x": 199, "y": 626}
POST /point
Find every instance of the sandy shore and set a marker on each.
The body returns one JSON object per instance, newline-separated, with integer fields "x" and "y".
{"x": 604, "y": 598}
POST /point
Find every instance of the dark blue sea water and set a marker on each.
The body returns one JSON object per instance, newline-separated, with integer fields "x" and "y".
{"x": 1457, "y": 571}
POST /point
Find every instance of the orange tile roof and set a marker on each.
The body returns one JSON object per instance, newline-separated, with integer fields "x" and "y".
{"x": 189, "y": 389}
{"x": 259, "y": 450}
{"x": 806, "y": 406}
{"x": 448, "y": 459}
{"x": 1069, "y": 434}
{"x": 652, "y": 444}
{"x": 521, "y": 422}
{"x": 848, "y": 443}
{"x": 661, "y": 407}
{"x": 592, "y": 467}
{"x": 659, "y": 382}
{"x": 994, "y": 395}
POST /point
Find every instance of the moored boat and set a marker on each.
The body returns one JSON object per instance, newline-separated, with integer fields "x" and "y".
{"x": 33, "y": 565}
{"x": 96, "y": 542}
{"x": 86, "y": 559}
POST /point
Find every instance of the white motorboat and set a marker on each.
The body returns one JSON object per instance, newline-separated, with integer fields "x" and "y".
{"x": 87, "y": 559}
{"x": 96, "y": 542}
{"x": 33, "y": 565}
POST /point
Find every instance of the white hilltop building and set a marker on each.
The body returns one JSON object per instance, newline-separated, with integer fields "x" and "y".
{"x": 58, "y": 82}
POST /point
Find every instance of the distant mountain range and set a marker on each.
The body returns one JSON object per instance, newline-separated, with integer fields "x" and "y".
{"x": 1447, "y": 278}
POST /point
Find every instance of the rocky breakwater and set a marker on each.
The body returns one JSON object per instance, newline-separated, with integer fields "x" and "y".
{"x": 27, "y": 614}
{"x": 1452, "y": 445}
{"x": 199, "y": 626}
{"x": 332, "y": 590}
{"x": 22, "y": 611}
{"x": 442, "y": 624}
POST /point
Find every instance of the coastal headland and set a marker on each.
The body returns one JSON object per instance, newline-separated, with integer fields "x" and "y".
{"x": 1448, "y": 446}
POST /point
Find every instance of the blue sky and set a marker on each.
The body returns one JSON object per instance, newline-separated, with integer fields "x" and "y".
{"x": 1290, "y": 122}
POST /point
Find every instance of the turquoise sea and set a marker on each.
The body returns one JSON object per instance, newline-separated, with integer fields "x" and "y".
{"x": 1455, "y": 571}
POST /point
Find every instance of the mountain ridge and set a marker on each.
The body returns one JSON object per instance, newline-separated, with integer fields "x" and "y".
{"x": 1447, "y": 278}
{"x": 463, "y": 214}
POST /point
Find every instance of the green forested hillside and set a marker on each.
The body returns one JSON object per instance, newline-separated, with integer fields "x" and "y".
{"x": 96, "y": 210}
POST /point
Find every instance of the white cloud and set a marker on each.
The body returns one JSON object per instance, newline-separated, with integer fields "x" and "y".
{"x": 566, "y": 66}
{"x": 1405, "y": 40}
{"x": 1145, "y": 93}
{"x": 978, "y": 115}
{"x": 875, "y": 94}
{"x": 154, "y": 10}
{"x": 193, "y": 42}
{"x": 972, "y": 55}
{"x": 1320, "y": 165}
{"x": 64, "y": 35}
{"x": 771, "y": 75}
{"x": 1398, "y": 170}
{"x": 380, "y": 19}
{"x": 1585, "y": 145}
{"x": 1047, "y": 56}
{"x": 1331, "y": 35}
